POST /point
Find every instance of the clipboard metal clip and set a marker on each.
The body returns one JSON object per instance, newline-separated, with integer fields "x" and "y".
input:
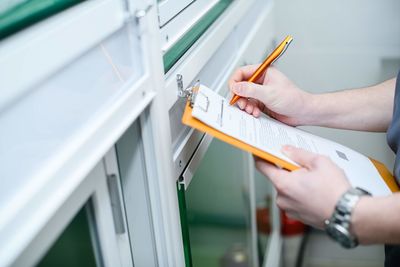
{"x": 190, "y": 92}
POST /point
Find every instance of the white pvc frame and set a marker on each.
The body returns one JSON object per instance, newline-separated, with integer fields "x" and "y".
{"x": 167, "y": 9}
{"x": 174, "y": 29}
{"x": 40, "y": 50}
{"x": 93, "y": 189}
{"x": 55, "y": 188}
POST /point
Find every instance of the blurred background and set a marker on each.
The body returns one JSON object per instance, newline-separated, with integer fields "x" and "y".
{"x": 342, "y": 45}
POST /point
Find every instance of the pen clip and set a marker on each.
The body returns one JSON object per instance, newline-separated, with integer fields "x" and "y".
{"x": 287, "y": 43}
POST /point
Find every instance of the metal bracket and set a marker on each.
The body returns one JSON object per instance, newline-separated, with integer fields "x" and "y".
{"x": 181, "y": 91}
{"x": 190, "y": 92}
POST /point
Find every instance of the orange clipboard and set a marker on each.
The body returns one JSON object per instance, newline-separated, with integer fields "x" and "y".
{"x": 189, "y": 120}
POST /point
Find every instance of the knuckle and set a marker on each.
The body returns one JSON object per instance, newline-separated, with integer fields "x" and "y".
{"x": 240, "y": 87}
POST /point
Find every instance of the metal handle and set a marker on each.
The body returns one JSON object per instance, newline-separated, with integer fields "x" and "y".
{"x": 116, "y": 205}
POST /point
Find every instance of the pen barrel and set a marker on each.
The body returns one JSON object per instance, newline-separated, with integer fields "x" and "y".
{"x": 260, "y": 70}
{"x": 268, "y": 61}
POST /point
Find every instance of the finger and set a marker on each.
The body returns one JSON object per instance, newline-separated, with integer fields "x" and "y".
{"x": 274, "y": 173}
{"x": 241, "y": 74}
{"x": 242, "y": 102}
{"x": 247, "y": 89}
{"x": 256, "y": 112}
{"x": 261, "y": 106}
{"x": 270, "y": 72}
{"x": 302, "y": 157}
{"x": 249, "y": 107}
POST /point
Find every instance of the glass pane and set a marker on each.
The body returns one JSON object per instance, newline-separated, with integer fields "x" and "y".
{"x": 17, "y": 15}
{"x": 74, "y": 247}
{"x": 218, "y": 209}
{"x": 132, "y": 168}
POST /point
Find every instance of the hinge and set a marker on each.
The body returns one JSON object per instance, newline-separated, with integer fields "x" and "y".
{"x": 137, "y": 15}
{"x": 181, "y": 91}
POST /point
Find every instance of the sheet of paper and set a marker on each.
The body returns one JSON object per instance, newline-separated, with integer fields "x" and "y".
{"x": 270, "y": 135}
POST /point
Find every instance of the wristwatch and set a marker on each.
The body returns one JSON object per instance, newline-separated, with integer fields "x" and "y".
{"x": 338, "y": 226}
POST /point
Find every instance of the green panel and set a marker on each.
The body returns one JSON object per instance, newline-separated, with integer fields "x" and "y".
{"x": 187, "y": 40}
{"x": 184, "y": 225}
{"x": 73, "y": 247}
{"x": 18, "y": 15}
{"x": 217, "y": 209}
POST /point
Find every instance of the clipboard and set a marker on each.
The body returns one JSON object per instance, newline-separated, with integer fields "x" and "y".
{"x": 187, "y": 119}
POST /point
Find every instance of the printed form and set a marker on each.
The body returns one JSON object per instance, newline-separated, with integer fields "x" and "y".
{"x": 270, "y": 135}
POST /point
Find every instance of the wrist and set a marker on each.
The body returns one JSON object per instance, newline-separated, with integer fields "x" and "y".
{"x": 339, "y": 225}
{"x": 357, "y": 226}
{"x": 310, "y": 107}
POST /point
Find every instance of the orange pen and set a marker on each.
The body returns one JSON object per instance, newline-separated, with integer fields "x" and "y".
{"x": 267, "y": 62}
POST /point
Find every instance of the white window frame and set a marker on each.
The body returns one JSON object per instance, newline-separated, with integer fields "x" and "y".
{"x": 172, "y": 31}
{"x": 167, "y": 9}
{"x": 93, "y": 189}
{"x": 43, "y": 48}
{"x": 39, "y": 210}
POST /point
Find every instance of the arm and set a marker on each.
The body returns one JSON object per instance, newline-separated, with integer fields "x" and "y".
{"x": 377, "y": 220}
{"x": 367, "y": 108}
{"x": 305, "y": 194}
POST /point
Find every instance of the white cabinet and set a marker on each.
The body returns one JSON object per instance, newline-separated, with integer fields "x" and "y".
{"x": 73, "y": 84}
{"x": 90, "y": 124}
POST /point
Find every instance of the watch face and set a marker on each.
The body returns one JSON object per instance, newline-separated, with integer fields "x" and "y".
{"x": 341, "y": 235}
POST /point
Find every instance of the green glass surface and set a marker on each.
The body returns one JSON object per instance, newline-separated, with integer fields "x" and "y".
{"x": 73, "y": 247}
{"x": 217, "y": 209}
{"x": 188, "y": 39}
{"x": 184, "y": 225}
{"x": 17, "y": 15}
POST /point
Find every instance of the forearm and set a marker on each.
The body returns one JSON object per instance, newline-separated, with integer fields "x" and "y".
{"x": 377, "y": 220}
{"x": 366, "y": 109}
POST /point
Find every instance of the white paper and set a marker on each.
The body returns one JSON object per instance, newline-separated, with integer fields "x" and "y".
{"x": 270, "y": 135}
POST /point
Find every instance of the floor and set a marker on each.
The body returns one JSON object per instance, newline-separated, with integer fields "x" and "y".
{"x": 322, "y": 252}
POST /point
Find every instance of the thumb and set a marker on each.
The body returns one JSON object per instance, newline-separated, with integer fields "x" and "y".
{"x": 303, "y": 157}
{"x": 248, "y": 89}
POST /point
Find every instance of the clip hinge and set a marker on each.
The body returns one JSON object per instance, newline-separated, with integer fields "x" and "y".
{"x": 182, "y": 92}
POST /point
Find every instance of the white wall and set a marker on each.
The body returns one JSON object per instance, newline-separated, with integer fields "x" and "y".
{"x": 339, "y": 45}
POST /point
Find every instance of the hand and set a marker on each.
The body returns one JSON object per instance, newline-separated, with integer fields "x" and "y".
{"x": 273, "y": 94}
{"x": 311, "y": 192}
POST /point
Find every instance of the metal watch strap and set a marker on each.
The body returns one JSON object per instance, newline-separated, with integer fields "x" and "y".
{"x": 338, "y": 226}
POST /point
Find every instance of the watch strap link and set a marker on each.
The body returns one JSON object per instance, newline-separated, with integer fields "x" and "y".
{"x": 341, "y": 217}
